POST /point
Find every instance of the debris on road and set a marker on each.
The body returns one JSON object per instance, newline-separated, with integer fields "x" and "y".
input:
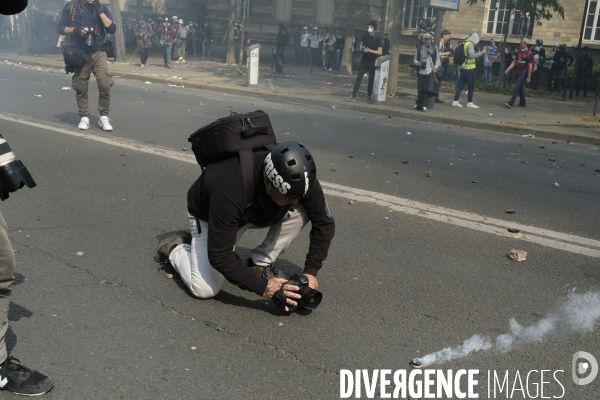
{"x": 408, "y": 133}
{"x": 510, "y": 211}
{"x": 513, "y": 230}
{"x": 194, "y": 348}
{"x": 351, "y": 202}
{"x": 518, "y": 255}
{"x": 598, "y": 170}
{"x": 79, "y": 253}
{"x": 429, "y": 174}
{"x": 37, "y": 95}
{"x": 529, "y": 136}
{"x": 333, "y": 107}
{"x": 404, "y": 162}
{"x": 348, "y": 156}
{"x": 148, "y": 83}
{"x": 473, "y": 181}
{"x": 556, "y": 184}
{"x": 170, "y": 276}
{"x": 517, "y": 235}
{"x": 219, "y": 328}
{"x": 66, "y": 88}
{"x": 17, "y": 251}
{"x": 416, "y": 363}
{"x": 372, "y": 154}
{"x": 280, "y": 324}
{"x": 552, "y": 159}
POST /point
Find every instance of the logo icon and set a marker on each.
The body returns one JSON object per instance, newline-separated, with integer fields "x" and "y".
{"x": 581, "y": 368}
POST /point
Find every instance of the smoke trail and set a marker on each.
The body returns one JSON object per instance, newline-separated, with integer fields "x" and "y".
{"x": 579, "y": 313}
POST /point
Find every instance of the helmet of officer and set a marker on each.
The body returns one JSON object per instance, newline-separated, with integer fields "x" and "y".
{"x": 539, "y": 42}
{"x": 291, "y": 169}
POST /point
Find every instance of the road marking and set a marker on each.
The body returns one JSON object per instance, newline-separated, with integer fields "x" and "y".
{"x": 544, "y": 237}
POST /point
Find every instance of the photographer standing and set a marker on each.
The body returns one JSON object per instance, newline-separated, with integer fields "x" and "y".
{"x": 428, "y": 61}
{"x": 372, "y": 47}
{"x": 166, "y": 32}
{"x": 14, "y": 376}
{"x": 284, "y": 196}
{"x": 86, "y": 23}
{"x": 144, "y": 33}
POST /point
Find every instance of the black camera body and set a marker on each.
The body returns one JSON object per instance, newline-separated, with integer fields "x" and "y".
{"x": 90, "y": 36}
{"x": 310, "y": 298}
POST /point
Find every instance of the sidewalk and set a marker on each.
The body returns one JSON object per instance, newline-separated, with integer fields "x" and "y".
{"x": 544, "y": 117}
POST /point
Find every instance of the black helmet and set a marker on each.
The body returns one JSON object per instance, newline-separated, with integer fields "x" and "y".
{"x": 540, "y": 42}
{"x": 291, "y": 169}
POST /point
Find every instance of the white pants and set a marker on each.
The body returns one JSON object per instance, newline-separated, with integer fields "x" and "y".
{"x": 191, "y": 262}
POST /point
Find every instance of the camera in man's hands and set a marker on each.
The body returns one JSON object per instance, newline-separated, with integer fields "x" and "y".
{"x": 90, "y": 36}
{"x": 311, "y": 298}
{"x": 423, "y": 63}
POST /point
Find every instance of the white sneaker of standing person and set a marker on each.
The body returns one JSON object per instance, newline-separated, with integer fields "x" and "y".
{"x": 84, "y": 124}
{"x": 471, "y": 105}
{"x": 456, "y": 104}
{"x": 180, "y": 59}
{"x": 104, "y": 123}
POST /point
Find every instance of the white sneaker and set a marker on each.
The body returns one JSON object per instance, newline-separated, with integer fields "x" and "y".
{"x": 180, "y": 59}
{"x": 424, "y": 108}
{"x": 104, "y": 123}
{"x": 471, "y": 105}
{"x": 84, "y": 123}
{"x": 456, "y": 104}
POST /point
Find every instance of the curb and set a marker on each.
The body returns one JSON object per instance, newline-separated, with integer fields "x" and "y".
{"x": 540, "y": 131}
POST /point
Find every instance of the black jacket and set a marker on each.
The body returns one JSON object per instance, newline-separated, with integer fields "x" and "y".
{"x": 218, "y": 197}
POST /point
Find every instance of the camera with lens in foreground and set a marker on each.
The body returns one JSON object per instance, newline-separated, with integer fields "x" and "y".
{"x": 13, "y": 174}
{"x": 310, "y": 298}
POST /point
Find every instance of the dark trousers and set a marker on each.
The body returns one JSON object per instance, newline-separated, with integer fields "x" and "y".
{"x": 558, "y": 77}
{"x": 518, "y": 89}
{"x": 467, "y": 77}
{"x": 364, "y": 67}
{"x": 144, "y": 54}
{"x": 535, "y": 79}
{"x": 422, "y": 85}
{"x": 279, "y": 63}
{"x": 581, "y": 76}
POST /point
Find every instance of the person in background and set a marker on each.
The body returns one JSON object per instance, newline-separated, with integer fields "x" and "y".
{"x": 207, "y": 38}
{"x": 488, "y": 60}
{"x": 584, "y": 66}
{"x": 144, "y": 33}
{"x": 467, "y": 71}
{"x": 386, "y": 45}
{"x": 283, "y": 39}
{"x": 371, "y": 46}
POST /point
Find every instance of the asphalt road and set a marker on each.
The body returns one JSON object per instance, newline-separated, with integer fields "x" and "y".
{"x": 396, "y": 285}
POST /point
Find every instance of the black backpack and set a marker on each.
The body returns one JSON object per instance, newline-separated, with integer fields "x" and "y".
{"x": 459, "y": 54}
{"x": 236, "y": 135}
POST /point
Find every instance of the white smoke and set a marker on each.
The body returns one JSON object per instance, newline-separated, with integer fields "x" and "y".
{"x": 579, "y": 313}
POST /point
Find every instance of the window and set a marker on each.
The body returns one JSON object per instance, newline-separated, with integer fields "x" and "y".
{"x": 246, "y": 8}
{"x": 413, "y": 13}
{"x": 592, "y": 30}
{"x": 500, "y": 19}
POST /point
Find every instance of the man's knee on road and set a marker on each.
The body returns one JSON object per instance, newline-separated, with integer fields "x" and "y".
{"x": 204, "y": 291}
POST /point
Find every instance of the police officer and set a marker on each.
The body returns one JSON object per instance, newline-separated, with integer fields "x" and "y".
{"x": 285, "y": 196}
{"x": 584, "y": 66}
{"x": 86, "y": 23}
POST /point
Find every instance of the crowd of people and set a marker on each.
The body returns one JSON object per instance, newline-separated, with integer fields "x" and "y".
{"x": 523, "y": 67}
{"x": 172, "y": 37}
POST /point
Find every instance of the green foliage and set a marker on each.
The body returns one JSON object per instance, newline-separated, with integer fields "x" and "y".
{"x": 542, "y": 9}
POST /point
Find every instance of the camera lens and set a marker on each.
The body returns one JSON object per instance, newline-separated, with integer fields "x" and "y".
{"x": 89, "y": 39}
{"x": 310, "y": 298}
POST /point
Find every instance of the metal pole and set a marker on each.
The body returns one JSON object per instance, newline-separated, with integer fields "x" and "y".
{"x": 439, "y": 18}
{"x": 597, "y": 95}
{"x": 579, "y": 47}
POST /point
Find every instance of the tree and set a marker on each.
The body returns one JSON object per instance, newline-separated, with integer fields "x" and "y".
{"x": 348, "y": 45}
{"x": 395, "y": 48}
{"x": 120, "y": 36}
{"x": 230, "y": 59}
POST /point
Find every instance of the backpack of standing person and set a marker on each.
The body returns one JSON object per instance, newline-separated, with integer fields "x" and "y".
{"x": 459, "y": 54}
{"x": 231, "y": 136}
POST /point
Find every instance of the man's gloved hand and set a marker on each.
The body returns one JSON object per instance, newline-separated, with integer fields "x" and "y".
{"x": 98, "y": 6}
{"x": 289, "y": 291}
{"x": 78, "y": 30}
